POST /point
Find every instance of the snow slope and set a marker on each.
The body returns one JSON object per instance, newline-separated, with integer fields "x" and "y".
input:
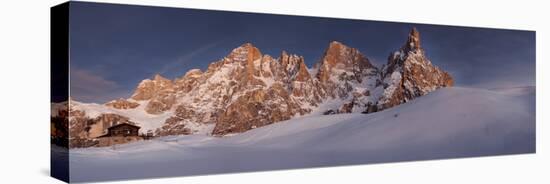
{"x": 448, "y": 123}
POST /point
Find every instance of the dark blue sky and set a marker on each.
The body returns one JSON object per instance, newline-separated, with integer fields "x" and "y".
{"x": 114, "y": 47}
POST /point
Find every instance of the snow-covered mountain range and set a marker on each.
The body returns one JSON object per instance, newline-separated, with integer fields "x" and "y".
{"x": 247, "y": 89}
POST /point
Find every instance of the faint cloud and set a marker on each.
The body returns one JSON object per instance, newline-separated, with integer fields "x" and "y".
{"x": 88, "y": 86}
{"x": 185, "y": 58}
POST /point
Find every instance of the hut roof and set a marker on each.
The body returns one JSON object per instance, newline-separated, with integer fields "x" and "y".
{"x": 118, "y": 125}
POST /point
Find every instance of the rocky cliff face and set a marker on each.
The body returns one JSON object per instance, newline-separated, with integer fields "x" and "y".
{"x": 159, "y": 92}
{"x": 409, "y": 74}
{"x": 346, "y": 74}
{"x": 247, "y": 89}
{"x": 343, "y": 67}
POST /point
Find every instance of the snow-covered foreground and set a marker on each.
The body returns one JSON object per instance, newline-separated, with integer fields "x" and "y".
{"x": 448, "y": 123}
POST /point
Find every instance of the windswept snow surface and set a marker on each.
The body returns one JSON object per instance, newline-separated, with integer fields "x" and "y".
{"x": 448, "y": 123}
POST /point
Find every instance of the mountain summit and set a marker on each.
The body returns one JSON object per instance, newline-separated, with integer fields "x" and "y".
{"x": 409, "y": 74}
{"x": 247, "y": 89}
{"x": 413, "y": 41}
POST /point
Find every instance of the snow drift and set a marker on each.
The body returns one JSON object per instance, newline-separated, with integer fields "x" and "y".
{"x": 448, "y": 123}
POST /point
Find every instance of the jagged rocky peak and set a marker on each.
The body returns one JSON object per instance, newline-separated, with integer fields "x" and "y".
{"x": 339, "y": 58}
{"x": 159, "y": 91}
{"x": 242, "y": 64}
{"x": 160, "y": 78}
{"x": 343, "y": 67}
{"x": 413, "y": 41}
{"x": 190, "y": 75}
{"x": 244, "y": 53}
{"x": 148, "y": 88}
{"x": 294, "y": 67}
{"x": 409, "y": 74}
{"x": 269, "y": 95}
{"x": 190, "y": 80}
{"x": 298, "y": 80}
